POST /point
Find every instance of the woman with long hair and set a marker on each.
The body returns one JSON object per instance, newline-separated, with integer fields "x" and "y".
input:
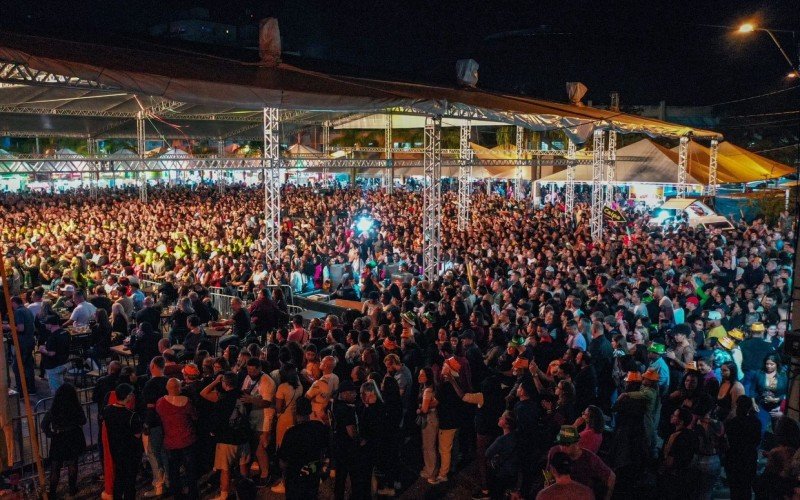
{"x": 771, "y": 388}
{"x": 101, "y": 337}
{"x": 288, "y": 392}
{"x": 729, "y": 391}
{"x": 593, "y": 423}
{"x": 430, "y": 422}
{"x": 63, "y": 424}
{"x": 119, "y": 320}
{"x": 371, "y": 416}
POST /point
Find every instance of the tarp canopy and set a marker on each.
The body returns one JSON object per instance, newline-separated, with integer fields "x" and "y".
{"x": 734, "y": 164}
{"x": 378, "y": 122}
{"x": 301, "y": 151}
{"x": 230, "y": 87}
{"x": 641, "y": 162}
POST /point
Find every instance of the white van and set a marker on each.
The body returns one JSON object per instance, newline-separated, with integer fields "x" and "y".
{"x": 694, "y": 212}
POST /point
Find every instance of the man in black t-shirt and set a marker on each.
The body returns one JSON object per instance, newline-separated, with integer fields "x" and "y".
{"x": 230, "y": 426}
{"x": 301, "y": 454}
{"x": 153, "y": 440}
{"x": 55, "y": 353}
{"x": 344, "y": 425}
{"x": 124, "y": 430}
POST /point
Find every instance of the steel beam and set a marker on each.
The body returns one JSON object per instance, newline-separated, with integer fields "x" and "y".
{"x": 432, "y": 198}
{"x": 570, "y": 191}
{"x": 711, "y": 190}
{"x": 596, "y": 217}
{"x": 464, "y": 178}
{"x": 272, "y": 184}
{"x": 683, "y": 162}
{"x": 520, "y": 139}
{"x": 18, "y": 72}
{"x": 140, "y": 150}
{"x": 611, "y": 167}
{"x": 388, "y": 177}
{"x": 326, "y": 147}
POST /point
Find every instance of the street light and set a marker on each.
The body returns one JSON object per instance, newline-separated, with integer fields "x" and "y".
{"x": 750, "y": 27}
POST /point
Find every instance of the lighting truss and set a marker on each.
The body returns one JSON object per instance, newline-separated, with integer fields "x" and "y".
{"x": 570, "y": 195}
{"x": 518, "y": 171}
{"x": 140, "y": 150}
{"x": 464, "y": 177}
{"x": 272, "y": 183}
{"x": 326, "y": 145}
{"x": 16, "y": 72}
{"x": 598, "y": 153}
{"x": 712, "y": 168}
{"x": 611, "y": 167}
{"x": 432, "y": 198}
{"x": 683, "y": 160}
{"x": 388, "y": 176}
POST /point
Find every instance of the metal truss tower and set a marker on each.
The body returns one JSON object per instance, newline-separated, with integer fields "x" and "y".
{"x": 220, "y": 171}
{"x": 94, "y": 177}
{"x": 571, "y": 164}
{"x": 140, "y": 150}
{"x": 712, "y": 168}
{"x": 464, "y": 177}
{"x": 326, "y": 146}
{"x": 388, "y": 176}
{"x": 611, "y": 166}
{"x": 518, "y": 174}
{"x": 598, "y": 154}
{"x": 272, "y": 183}
{"x": 432, "y": 198}
{"x": 683, "y": 163}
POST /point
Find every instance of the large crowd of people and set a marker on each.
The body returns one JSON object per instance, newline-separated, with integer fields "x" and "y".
{"x": 647, "y": 363}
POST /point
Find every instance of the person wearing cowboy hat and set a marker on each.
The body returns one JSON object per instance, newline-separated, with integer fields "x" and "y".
{"x": 648, "y": 394}
{"x": 587, "y": 468}
{"x": 754, "y": 350}
{"x": 714, "y": 326}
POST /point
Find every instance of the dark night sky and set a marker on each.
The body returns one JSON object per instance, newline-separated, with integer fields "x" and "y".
{"x": 647, "y": 50}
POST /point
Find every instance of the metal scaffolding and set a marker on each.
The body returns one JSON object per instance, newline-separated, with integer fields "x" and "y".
{"x": 712, "y": 168}
{"x": 140, "y": 150}
{"x": 598, "y": 154}
{"x": 272, "y": 183}
{"x": 518, "y": 173}
{"x": 94, "y": 177}
{"x": 432, "y": 198}
{"x": 220, "y": 173}
{"x": 464, "y": 177}
{"x": 611, "y": 167}
{"x": 571, "y": 164}
{"x": 326, "y": 146}
{"x": 683, "y": 162}
{"x": 388, "y": 177}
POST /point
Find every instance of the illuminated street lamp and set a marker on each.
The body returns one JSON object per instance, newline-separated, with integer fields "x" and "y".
{"x": 750, "y": 27}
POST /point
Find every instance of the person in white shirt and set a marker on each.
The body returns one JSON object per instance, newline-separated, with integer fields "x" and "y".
{"x": 83, "y": 312}
{"x": 35, "y": 306}
{"x": 258, "y": 391}
{"x": 322, "y": 390}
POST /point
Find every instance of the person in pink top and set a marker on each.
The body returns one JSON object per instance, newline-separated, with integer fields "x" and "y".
{"x": 178, "y": 421}
{"x": 593, "y": 422}
{"x": 298, "y": 333}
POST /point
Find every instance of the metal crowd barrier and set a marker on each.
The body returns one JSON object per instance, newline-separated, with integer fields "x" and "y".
{"x": 24, "y": 462}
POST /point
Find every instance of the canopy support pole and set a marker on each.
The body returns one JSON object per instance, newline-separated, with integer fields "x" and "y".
{"x": 518, "y": 174}
{"x": 683, "y": 157}
{"x": 326, "y": 147}
{"x": 388, "y": 176}
{"x": 432, "y": 197}
{"x": 140, "y": 150}
{"x": 464, "y": 177}
{"x": 712, "y": 168}
{"x": 596, "y": 220}
{"x": 611, "y": 167}
{"x": 94, "y": 177}
{"x": 220, "y": 172}
{"x": 571, "y": 164}
{"x": 271, "y": 155}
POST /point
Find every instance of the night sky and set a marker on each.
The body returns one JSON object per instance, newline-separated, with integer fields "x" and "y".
{"x": 648, "y": 51}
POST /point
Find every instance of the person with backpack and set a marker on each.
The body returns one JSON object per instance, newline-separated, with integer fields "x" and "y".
{"x": 231, "y": 429}
{"x": 301, "y": 456}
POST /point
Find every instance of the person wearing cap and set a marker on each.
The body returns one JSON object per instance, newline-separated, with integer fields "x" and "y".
{"x": 648, "y": 393}
{"x": 714, "y": 327}
{"x": 754, "y": 351}
{"x": 55, "y": 353}
{"x": 655, "y": 354}
{"x": 564, "y": 486}
{"x": 586, "y": 468}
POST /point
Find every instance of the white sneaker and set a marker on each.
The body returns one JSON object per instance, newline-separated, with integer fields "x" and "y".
{"x": 278, "y": 488}
{"x": 437, "y": 480}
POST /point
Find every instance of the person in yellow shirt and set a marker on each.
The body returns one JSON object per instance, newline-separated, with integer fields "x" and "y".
{"x": 715, "y": 328}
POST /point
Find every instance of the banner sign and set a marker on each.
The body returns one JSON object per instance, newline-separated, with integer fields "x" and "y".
{"x": 613, "y": 215}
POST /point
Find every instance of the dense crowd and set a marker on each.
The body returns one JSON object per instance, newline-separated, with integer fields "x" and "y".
{"x": 649, "y": 362}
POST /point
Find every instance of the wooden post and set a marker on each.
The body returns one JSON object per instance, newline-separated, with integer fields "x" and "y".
{"x": 22, "y": 381}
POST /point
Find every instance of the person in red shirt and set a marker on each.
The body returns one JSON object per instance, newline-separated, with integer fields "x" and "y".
{"x": 178, "y": 420}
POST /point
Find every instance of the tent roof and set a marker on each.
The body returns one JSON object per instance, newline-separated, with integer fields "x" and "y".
{"x": 301, "y": 150}
{"x": 735, "y": 164}
{"x": 205, "y": 96}
{"x": 643, "y": 162}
